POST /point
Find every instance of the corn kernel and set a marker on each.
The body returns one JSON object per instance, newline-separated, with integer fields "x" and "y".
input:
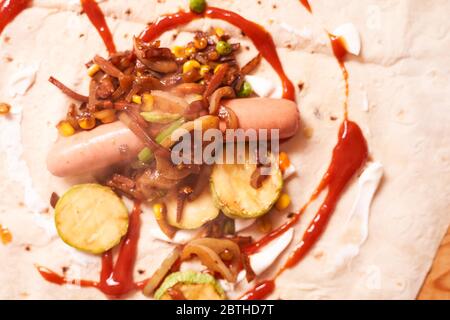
{"x": 4, "y": 108}
{"x": 200, "y": 43}
{"x": 264, "y": 224}
{"x": 283, "y": 161}
{"x": 148, "y": 102}
{"x": 136, "y": 99}
{"x": 5, "y": 235}
{"x": 106, "y": 116}
{"x": 179, "y": 51}
{"x": 204, "y": 70}
{"x": 219, "y": 32}
{"x": 158, "y": 211}
{"x": 190, "y": 65}
{"x": 189, "y": 51}
{"x": 93, "y": 70}
{"x": 217, "y": 68}
{"x": 86, "y": 122}
{"x": 283, "y": 202}
{"x": 308, "y": 132}
{"x": 65, "y": 129}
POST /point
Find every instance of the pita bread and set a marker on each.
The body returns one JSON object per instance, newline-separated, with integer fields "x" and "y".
{"x": 401, "y": 77}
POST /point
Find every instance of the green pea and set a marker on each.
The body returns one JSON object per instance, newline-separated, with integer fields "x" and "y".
{"x": 197, "y": 6}
{"x": 223, "y": 48}
{"x": 246, "y": 90}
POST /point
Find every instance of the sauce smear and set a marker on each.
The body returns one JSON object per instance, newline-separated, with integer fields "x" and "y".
{"x": 339, "y": 51}
{"x": 115, "y": 280}
{"x": 9, "y": 9}
{"x": 306, "y": 4}
{"x": 97, "y": 18}
{"x": 349, "y": 155}
{"x": 260, "y": 291}
{"x": 262, "y": 39}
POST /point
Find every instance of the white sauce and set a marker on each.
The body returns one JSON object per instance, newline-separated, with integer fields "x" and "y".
{"x": 261, "y": 86}
{"x": 304, "y": 33}
{"x": 192, "y": 265}
{"x": 278, "y": 93}
{"x": 263, "y": 259}
{"x": 243, "y": 224}
{"x": 356, "y": 229}
{"x": 350, "y": 35}
{"x": 289, "y": 172}
{"x": 180, "y": 237}
{"x": 365, "y": 103}
{"x": 22, "y": 80}
{"x": 18, "y": 171}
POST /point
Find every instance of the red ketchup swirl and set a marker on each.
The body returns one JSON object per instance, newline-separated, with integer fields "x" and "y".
{"x": 9, "y": 9}
{"x": 349, "y": 155}
{"x": 95, "y": 15}
{"x": 306, "y": 4}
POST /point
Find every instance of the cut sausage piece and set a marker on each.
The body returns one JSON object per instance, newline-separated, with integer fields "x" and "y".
{"x": 266, "y": 113}
{"x": 114, "y": 143}
{"x": 88, "y": 151}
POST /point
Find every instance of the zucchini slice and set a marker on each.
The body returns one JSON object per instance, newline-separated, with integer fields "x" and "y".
{"x": 195, "y": 213}
{"x": 234, "y": 195}
{"x": 193, "y": 286}
{"x": 91, "y": 218}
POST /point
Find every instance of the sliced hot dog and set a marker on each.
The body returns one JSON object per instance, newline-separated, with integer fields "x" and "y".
{"x": 114, "y": 143}
{"x": 91, "y": 150}
{"x": 266, "y": 113}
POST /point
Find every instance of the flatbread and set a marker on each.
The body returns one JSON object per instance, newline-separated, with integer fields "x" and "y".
{"x": 401, "y": 76}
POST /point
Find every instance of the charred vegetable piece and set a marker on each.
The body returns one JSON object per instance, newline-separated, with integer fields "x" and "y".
{"x": 192, "y": 285}
{"x": 161, "y": 272}
{"x": 221, "y": 256}
{"x": 146, "y": 155}
{"x": 160, "y": 117}
{"x": 197, "y": 6}
{"x": 233, "y": 194}
{"x": 195, "y": 213}
{"x": 91, "y": 218}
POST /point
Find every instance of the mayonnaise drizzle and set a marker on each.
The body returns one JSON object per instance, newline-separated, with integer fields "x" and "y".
{"x": 356, "y": 229}
{"x": 17, "y": 169}
{"x": 22, "y": 80}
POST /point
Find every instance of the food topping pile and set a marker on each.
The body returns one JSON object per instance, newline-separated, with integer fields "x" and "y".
{"x": 155, "y": 91}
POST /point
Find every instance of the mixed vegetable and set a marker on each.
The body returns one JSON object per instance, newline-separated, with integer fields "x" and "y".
{"x": 156, "y": 92}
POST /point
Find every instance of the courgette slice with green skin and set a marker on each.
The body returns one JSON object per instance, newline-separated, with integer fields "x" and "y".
{"x": 91, "y": 218}
{"x": 193, "y": 285}
{"x": 195, "y": 213}
{"x": 234, "y": 195}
